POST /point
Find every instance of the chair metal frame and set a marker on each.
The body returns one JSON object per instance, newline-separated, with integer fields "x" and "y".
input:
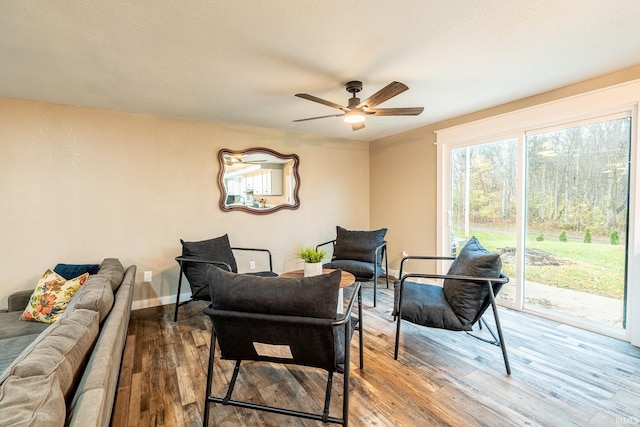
{"x": 344, "y": 320}
{"x": 382, "y": 248}
{"x": 488, "y": 281}
{"x": 182, "y": 259}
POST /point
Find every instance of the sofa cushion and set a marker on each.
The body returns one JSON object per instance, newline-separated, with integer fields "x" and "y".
{"x": 51, "y": 297}
{"x": 69, "y": 271}
{"x": 112, "y": 269}
{"x": 358, "y": 245}
{"x": 315, "y": 296}
{"x": 10, "y": 348}
{"x": 96, "y": 295}
{"x": 61, "y": 348}
{"x": 12, "y": 326}
{"x": 94, "y": 396}
{"x": 466, "y": 296}
{"x": 32, "y": 402}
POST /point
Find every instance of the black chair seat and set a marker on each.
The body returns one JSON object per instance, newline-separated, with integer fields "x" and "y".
{"x": 363, "y": 271}
{"x": 426, "y": 305}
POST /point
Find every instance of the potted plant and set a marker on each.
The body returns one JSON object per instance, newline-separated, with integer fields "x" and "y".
{"x": 312, "y": 260}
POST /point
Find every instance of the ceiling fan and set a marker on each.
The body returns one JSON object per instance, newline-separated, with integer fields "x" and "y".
{"x": 355, "y": 112}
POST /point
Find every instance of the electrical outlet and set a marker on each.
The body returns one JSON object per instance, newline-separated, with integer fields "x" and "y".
{"x": 252, "y": 265}
{"x": 147, "y": 276}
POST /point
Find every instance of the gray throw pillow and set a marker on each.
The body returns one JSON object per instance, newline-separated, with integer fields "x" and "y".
{"x": 216, "y": 249}
{"x": 466, "y": 296}
{"x": 315, "y": 296}
{"x": 358, "y": 245}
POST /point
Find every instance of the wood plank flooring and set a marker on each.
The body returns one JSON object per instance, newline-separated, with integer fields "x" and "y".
{"x": 561, "y": 376}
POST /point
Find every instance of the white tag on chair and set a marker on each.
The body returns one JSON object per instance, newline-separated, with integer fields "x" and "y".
{"x": 271, "y": 350}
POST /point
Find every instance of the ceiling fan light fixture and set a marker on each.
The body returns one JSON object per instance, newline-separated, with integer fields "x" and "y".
{"x": 353, "y": 117}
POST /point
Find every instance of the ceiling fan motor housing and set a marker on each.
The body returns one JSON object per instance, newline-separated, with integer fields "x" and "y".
{"x": 354, "y": 86}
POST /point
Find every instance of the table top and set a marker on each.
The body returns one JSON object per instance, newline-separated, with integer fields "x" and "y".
{"x": 346, "y": 278}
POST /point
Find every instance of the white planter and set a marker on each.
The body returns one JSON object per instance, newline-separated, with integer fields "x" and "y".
{"x": 312, "y": 269}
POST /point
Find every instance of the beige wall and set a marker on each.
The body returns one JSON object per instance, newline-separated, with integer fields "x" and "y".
{"x": 404, "y": 171}
{"x": 78, "y": 185}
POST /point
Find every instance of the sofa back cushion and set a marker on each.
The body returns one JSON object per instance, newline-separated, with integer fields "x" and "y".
{"x": 358, "y": 245}
{"x": 94, "y": 295}
{"x": 112, "y": 269}
{"x": 32, "y": 401}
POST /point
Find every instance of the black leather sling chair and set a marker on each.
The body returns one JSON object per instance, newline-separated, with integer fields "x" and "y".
{"x": 279, "y": 320}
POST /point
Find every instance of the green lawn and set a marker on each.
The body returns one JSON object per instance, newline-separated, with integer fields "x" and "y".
{"x": 597, "y": 268}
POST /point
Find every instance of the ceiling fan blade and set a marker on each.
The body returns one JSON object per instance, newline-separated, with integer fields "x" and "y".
{"x": 357, "y": 126}
{"x": 321, "y": 101}
{"x": 320, "y": 117}
{"x": 411, "y": 111}
{"x": 387, "y": 92}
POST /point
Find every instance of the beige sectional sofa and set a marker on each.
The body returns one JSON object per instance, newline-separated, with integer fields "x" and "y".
{"x": 66, "y": 373}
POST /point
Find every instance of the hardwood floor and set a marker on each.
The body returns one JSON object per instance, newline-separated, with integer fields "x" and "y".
{"x": 561, "y": 376}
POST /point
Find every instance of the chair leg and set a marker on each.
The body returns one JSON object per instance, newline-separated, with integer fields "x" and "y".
{"x": 395, "y": 352}
{"x": 212, "y": 351}
{"x": 500, "y": 336}
{"x": 327, "y": 397}
{"x": 360, "y": 329}
{"x": 175, "y": 314}
{"x": 346, "y": 374}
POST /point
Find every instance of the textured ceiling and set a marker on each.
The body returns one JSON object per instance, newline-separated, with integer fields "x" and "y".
{"x": 242, "y": 61}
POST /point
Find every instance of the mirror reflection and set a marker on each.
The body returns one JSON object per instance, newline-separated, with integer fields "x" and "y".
{"x": 258, "y": 180}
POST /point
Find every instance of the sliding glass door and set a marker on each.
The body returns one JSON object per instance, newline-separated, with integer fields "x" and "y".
{"x": 554, "y": 202}
{"x": 577, "y": 186}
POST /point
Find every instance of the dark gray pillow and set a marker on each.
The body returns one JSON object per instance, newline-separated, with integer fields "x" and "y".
{"x": 216, "y": 249}
{"x": 315, "y": 296}
{"x": 358, "y": 245}
{"x": 466, "y": 296}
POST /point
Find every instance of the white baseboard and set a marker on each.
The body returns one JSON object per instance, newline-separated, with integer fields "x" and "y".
{"x": 154, "y": 302}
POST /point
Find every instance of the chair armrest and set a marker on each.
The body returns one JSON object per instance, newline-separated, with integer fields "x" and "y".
{"x": 347, "y": 312}
{"x": 421, "y": 257}
{"x": 333, "y": 242}
{"x": 18, "y": 300}
{"x": 183, "y": 259}
{"x": 503, "y": 279}
{"x": 257, "y": 250}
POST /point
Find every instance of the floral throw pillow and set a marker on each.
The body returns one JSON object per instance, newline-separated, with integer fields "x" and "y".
{"x": 51, "y": 297}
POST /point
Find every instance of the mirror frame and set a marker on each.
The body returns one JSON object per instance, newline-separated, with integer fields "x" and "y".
{"x": 254, "y": 150}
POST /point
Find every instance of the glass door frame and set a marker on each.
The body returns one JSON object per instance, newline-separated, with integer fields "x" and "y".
{"x": 514, "y": 125}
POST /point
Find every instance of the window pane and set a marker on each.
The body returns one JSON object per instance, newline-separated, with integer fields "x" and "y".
{"x": 483, "y": 202}
{"x": 577, "y": 199}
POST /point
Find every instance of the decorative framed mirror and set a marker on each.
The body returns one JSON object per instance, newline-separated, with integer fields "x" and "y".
{"x": 258, "y": 180}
